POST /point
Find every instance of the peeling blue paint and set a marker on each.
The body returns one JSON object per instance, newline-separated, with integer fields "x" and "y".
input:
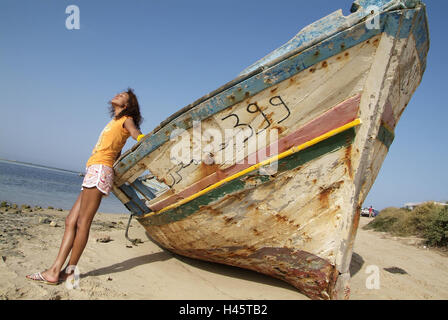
{"x": 407, "y": 23}
{"x": 135, "y": 205}
{"x": 144, "y": 190}
{"x": 421, "y": 36}
{"x": 332, "y": 24}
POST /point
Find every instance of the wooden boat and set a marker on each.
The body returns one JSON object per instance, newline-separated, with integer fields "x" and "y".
{"x": 327, "y": 103}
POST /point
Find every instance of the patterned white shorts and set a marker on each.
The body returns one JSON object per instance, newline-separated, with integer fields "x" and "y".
{"x": 100, "y": 176}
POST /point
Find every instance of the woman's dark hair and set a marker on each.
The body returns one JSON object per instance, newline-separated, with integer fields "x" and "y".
{"x": 133, "y": 109}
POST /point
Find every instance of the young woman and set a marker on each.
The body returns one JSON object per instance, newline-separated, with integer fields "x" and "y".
{"x": 98, "y": 181}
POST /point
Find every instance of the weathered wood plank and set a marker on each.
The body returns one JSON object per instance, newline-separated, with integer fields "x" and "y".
{"x": 332, "y": 119}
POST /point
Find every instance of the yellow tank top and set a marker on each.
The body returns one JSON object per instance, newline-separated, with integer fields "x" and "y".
{"x": 109, "y": 145}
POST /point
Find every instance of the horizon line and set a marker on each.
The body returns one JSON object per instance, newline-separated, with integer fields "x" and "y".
{"x": 39, "y": 165}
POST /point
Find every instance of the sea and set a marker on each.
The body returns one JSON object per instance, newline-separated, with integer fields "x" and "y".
{"x": 35, "y": 185}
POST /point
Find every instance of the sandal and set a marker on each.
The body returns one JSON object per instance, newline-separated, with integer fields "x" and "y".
{"x": 38, "y": 277}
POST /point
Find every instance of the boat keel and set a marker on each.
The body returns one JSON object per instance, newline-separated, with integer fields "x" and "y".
{"x": 311, "y": 275}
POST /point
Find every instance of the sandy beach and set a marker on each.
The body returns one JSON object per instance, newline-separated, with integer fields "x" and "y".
{"x": 116, "y": 269}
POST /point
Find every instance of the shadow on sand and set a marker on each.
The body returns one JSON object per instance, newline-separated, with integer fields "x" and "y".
{"x": 356, "y": 264}
{"x": 225, "y": 270}
{"x": 130, "y": 264}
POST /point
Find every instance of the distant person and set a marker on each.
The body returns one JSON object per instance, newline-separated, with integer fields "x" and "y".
{"x": 125, "y": 113}
{"x": 370, "y": 212}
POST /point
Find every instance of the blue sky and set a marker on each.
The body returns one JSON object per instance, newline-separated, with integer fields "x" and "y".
{"x": 55, "y": 83}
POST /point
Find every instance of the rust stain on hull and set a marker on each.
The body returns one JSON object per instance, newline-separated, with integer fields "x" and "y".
{"x": 324, "y": 195}
{"x": 313, "y": 276}
{"x": 356, "y": 222}
{"x": 348, "y": 160}
{"x": 208, "y": 169}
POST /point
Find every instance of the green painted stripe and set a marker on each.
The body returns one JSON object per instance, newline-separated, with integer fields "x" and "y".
{"x": 385, "y": 136}
{"x": 251, "y": 180}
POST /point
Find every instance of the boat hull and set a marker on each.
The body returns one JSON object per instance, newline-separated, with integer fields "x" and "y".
{"x": 298, "y": 222}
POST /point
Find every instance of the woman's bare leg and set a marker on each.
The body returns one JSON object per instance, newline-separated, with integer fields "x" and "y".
{"x": 90, "y": 202}
{"x": 77, "y": 227}
{"x": 52, "y": 274}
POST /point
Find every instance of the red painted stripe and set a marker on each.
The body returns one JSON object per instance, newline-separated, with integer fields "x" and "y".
{"x": 388, "y": 117}
{"x": 337, "y": 116}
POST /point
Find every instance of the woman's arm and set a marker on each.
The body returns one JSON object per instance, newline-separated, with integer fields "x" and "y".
{"x": 131, "y": 127}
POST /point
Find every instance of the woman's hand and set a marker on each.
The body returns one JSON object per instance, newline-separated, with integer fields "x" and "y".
{"x": 140, "y": 137}
{"x": 133, "y": 130}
